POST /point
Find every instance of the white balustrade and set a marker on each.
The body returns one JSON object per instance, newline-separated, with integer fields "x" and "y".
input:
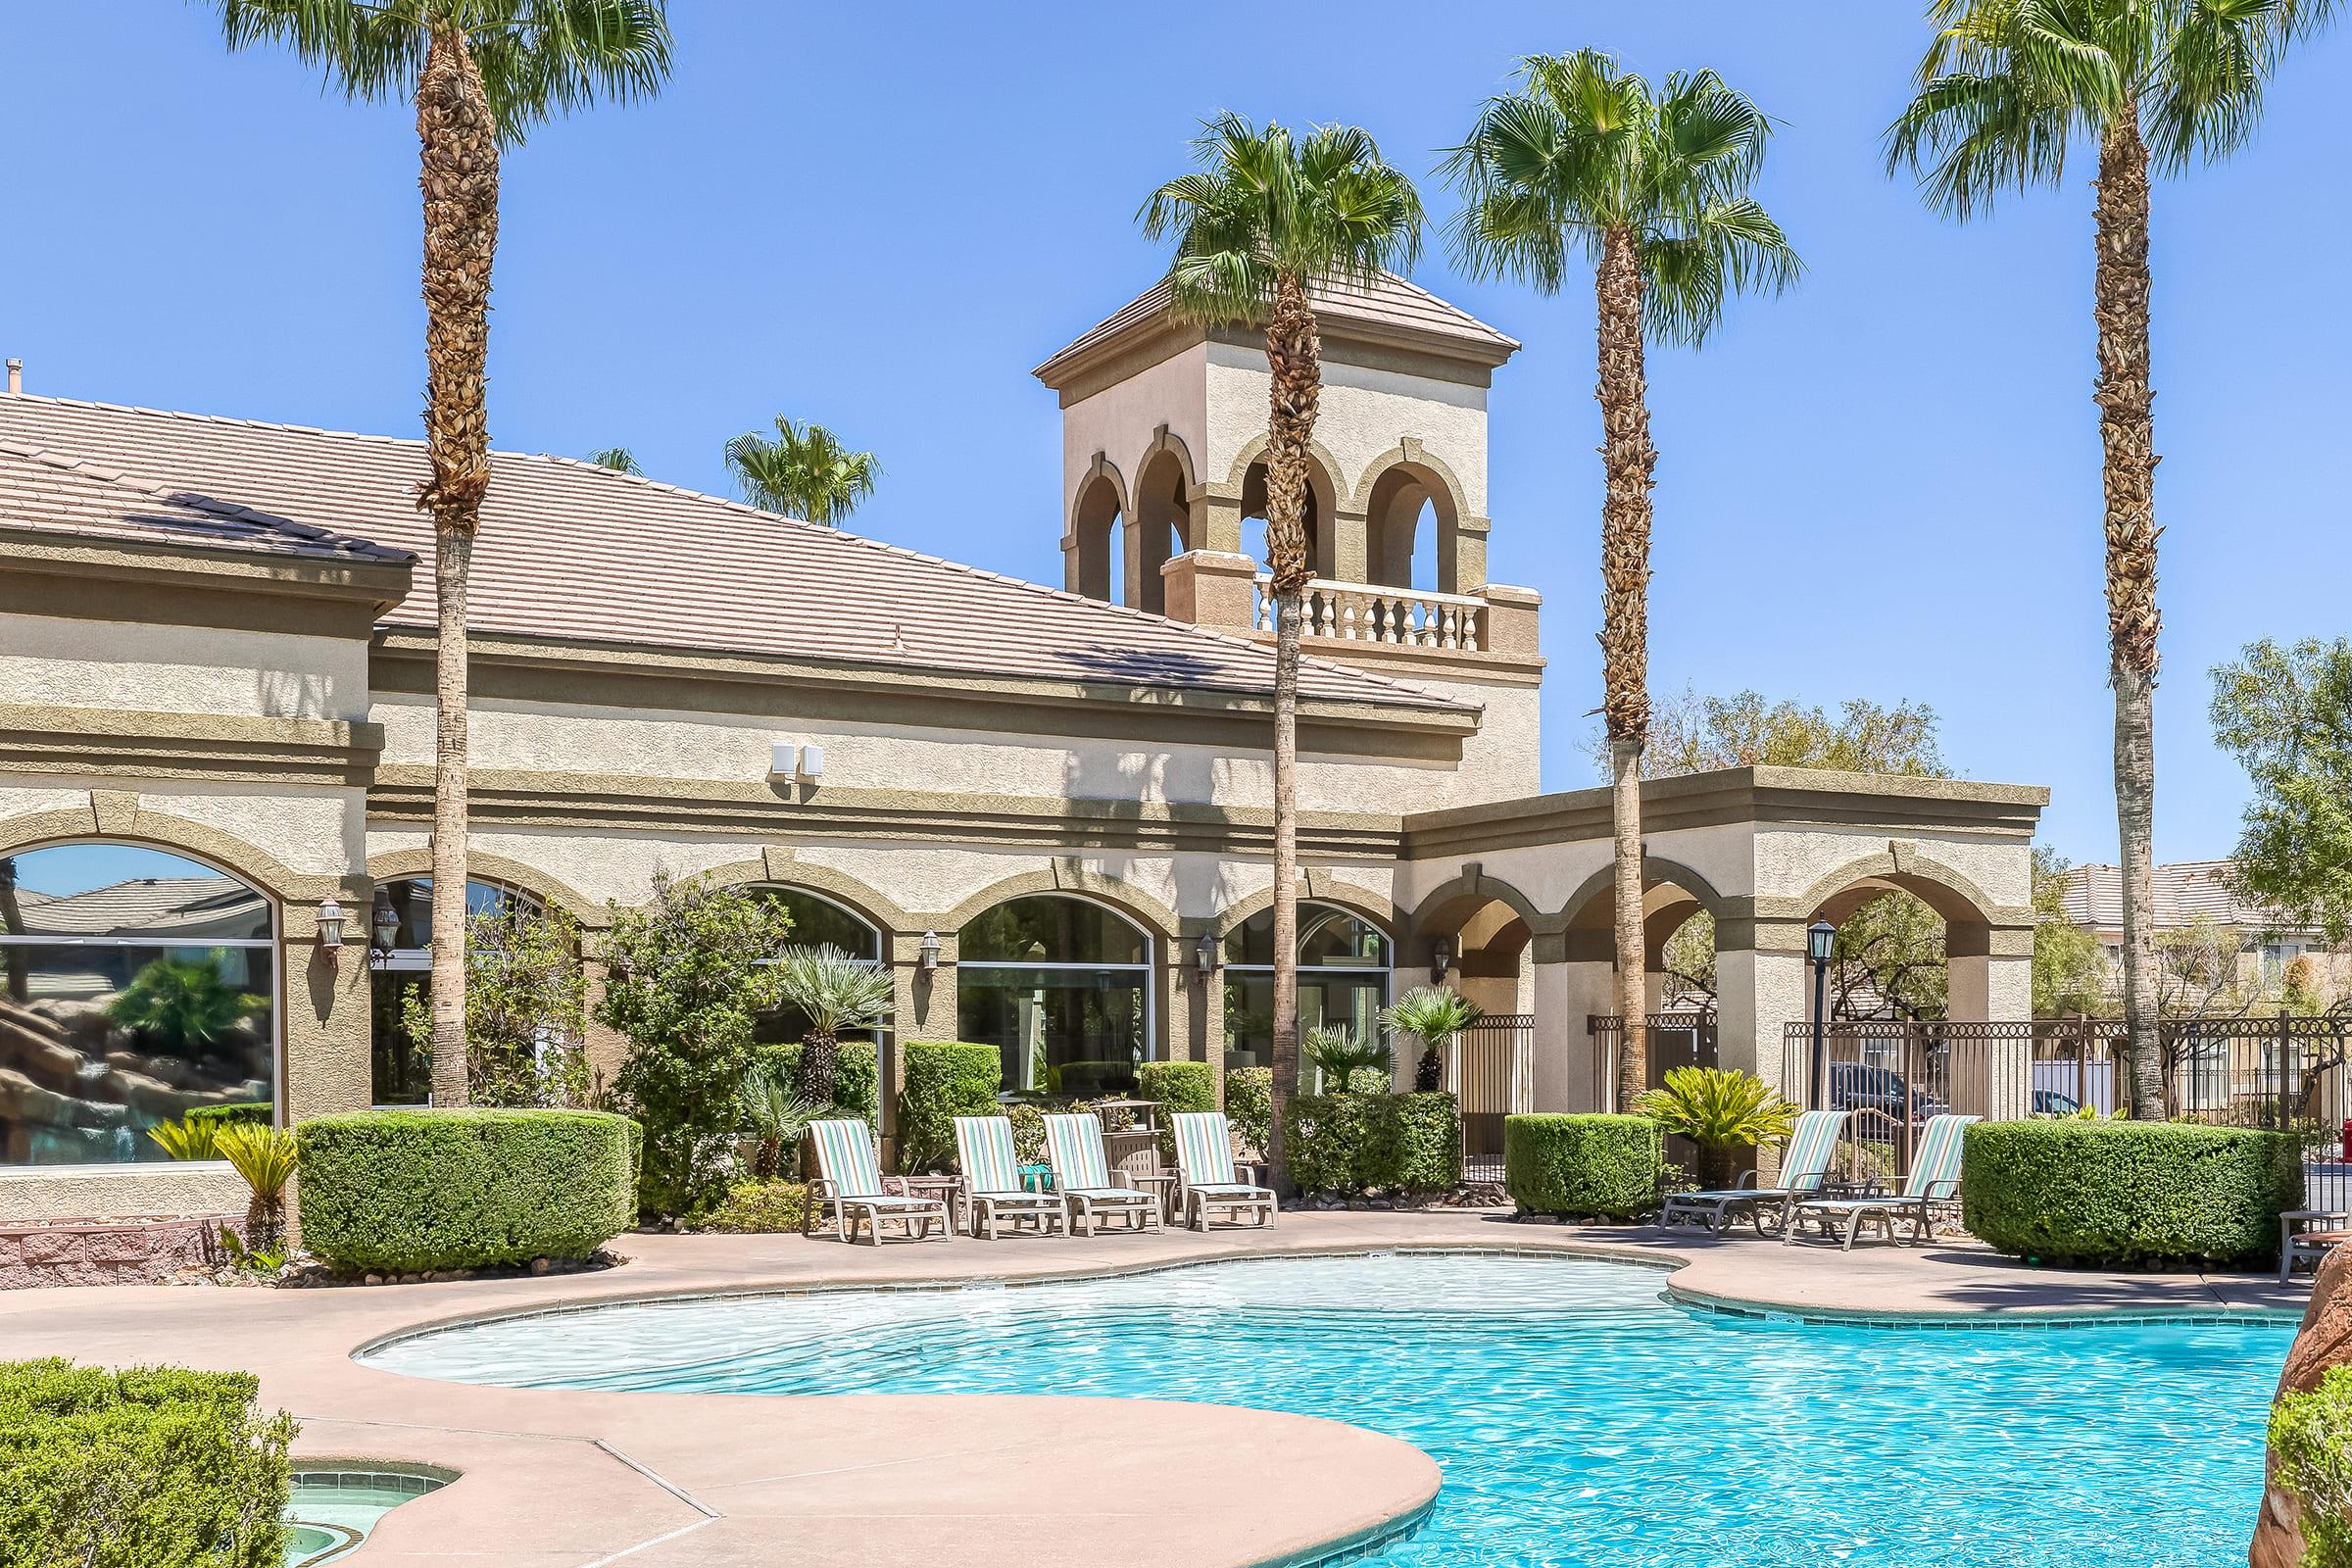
{"x": 1370, "y": 613}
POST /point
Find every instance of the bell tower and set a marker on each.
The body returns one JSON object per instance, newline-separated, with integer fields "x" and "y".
{"x": 1163, "y": 474}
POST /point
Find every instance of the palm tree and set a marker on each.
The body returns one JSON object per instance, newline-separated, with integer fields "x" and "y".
{"x": 803, "y": 472}
{"x": 482, "y": 72}
{"x": 1265, "y": 216}
{"x": 1432, "y": 1015}
{"x": 838, "y": 994}
{"x": 2005, "y": 90}
{"x": 1651, "y": 186}
{"x": 620, "y": 459}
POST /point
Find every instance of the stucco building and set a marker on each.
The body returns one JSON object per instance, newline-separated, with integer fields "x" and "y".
{"x": 1047, "y": 812}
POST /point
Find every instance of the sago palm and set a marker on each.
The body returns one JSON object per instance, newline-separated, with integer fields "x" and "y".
{"x": 838, "y": 994}
{"x": 482, "y": 73}
{"x": 2006, "y": 90}
{"x": 1432, "y": 1015}
{"x": 1349, "y": 1065}
{"x": 1267, "y": 216}
{"x": 803, "y": 472}
{"x": 266, "y": 1158}
{"x": 1651, "y": 186}
{"x": 1721, "y": 1111}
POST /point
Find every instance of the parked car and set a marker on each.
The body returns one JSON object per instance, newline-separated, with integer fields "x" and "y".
{"x": 1860, "y": 1086}
{"x": 2050, "y": 1103}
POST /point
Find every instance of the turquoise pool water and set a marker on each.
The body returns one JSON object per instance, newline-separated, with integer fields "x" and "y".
{"x": 329, "y": 1513}
{"x": 1577, "y": 1417}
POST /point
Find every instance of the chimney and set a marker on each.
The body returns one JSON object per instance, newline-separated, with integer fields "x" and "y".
{"x": 16, "y": 376}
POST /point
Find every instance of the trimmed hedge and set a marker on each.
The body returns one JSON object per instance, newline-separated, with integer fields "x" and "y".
{"x": 2128, "y": 1191}
{"x": 757, "y": 1208}
{"x": 1249, "y": 1105}
{"x": 944, "y": 1081}
{"x": 2311, "y": 1448}
{"x": 1177, "y": 1085}
{"x": 150, "y": 1467}
{"x": 1353, "y": 1143}
{"x": 1585, "y": 1166}
{"x": 856, "y": 1080}
{"x": 259, "y": 1112}
{"x": 412, "y": 1189}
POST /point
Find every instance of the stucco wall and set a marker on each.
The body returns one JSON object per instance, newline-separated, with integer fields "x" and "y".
{"x": 1361, "y": 414}
{"x": 109, "y": 1192}
{"x": 1120, "y": 421}
{"x": 180, "y": 669}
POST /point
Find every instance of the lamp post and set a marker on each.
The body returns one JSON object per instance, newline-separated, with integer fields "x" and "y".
{"x": 1819, "y": 937}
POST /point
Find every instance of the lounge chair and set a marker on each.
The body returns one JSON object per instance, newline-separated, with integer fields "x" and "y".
{"x": 992, "y": 1179}
{"x": 1084, "y": 1180}
{"x": 1934, "y": 1179}
{"x": 2308, "y": 1235}
{"x": 1205, "y": 1174}
{"x": 848, "y": 1183}
{"x": 1805, "y": 1165}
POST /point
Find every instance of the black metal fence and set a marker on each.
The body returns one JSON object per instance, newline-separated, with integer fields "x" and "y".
{"x": 1673, "y": 1040}
{"x": 2284, "y": 1073}
{"x": 1490, "y": 1058}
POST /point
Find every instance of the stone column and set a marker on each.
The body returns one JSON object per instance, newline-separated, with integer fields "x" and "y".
{"x": 324, "y": 1022}
{"x": 1211, "y": 588}
{"x": 924, "y": 1010}
{"x": 1761, "y": 988}
{"x": 1989, "y": 977}
{"x": 1344, "y": 557}
{"x": 1572, "y": 983}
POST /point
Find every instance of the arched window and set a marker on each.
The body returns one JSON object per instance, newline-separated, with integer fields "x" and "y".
{"x": 1062, "y": 987}
{"x": 138, "y": 986}
{"x": 1343, "y": 964}
{"x": 817, "y": 921}
{"x": 400, "y": 1059}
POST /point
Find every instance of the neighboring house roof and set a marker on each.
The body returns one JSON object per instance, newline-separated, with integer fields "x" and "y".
{"x": 572, "y": 551}
{"x": 173, "y": 909}
{"x": 59, "y": 493}
{"x": 1389, "y": 306}
{"x": 2187, "y": 891}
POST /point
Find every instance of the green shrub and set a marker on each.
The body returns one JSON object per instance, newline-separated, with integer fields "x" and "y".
{"x": 944, "y": 1081}
{"x": 757, "y": 1207}
{"x": 259, "y": 1112}
{"x": 150, "y": 1467}
{"x": 1417, "y": 1142}
{"x": 1594, "y": 1166}
{"x": 1028, "y": 1132}
{"x": 412, "y": 1189}
{"x": 1249, "y": 1105}
{"x": 1177, "y": 1085}
{"x": 857, "y": 1075}
{"x": 2125, "y": 1191}
{"x": 2311, "y": 1443}
{"x": 1323, "y": 1139}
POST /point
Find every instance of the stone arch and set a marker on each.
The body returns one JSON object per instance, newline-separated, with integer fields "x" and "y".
{"x": 1391, "y": 496}
{"x": 287, "y": 889}
{"x": 1324, "y": 520}
{"x": 1360, "y": 902}
{"x": 1161, "y": 525}
{"x": 1154, "y": 918}
{"x": 1589, "y": 908}
{"x": 1445, "y": 907}
{"x": 1957, "y": 899}
{"x": 858, "y": 897}
{"x": 1097, "y": 510}
{"x": 393, "y": 865}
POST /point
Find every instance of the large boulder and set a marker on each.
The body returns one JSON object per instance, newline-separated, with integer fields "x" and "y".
{"x": 2324, "y": 1340}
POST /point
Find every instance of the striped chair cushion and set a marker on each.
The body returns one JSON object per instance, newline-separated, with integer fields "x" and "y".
{"x": 1935, "y": 1167}
{"x": 1204, "y": 1148}
{"x": 984, "y": 1148}
{"x": 1812, "y": 1145}
{"x": 1074, "y": 1147}
{"x": 845, "y": 1155}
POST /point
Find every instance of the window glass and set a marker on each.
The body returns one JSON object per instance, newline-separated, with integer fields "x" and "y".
{"x": 1328, "y": 938}
{"x": 400, "y": 1061}
{"x": 816, "y": 922}
{"x": 1049, "y": 929}
{"x": 136, "y": 986}
{"x": 1061, "y": 987}
{"x": 1343, "y": 981}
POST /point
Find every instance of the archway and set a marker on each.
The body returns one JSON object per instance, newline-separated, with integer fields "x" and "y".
{"x": 1411, "y": 524}
{"x": 1344, "y": 970}
{"x": 400, "y": 978}
{"x": 1062, "y": 987}
{"x": 1101, "y": 554}
{"x": 1680, "y": 1016}
{"x": 1322, "y": 506}
{"x": 817, "y": 921}
{"x": 1162, "y": 527}
{"x": 137, "y": 985}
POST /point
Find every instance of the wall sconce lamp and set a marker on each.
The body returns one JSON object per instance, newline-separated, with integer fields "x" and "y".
{"x": 331, "y": 930}
{"x": 383, "y": 926}
{"x": 1205, "y": 957}
{"x": 927, "y": 953}
{"x": 1440, "y": 960}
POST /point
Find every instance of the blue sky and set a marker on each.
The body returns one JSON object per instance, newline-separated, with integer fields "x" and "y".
{"x": 1885, "y": 484}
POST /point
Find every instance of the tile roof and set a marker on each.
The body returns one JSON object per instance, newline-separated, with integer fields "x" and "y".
{"x": 59, "y": 493}
{"x": 171, "y": 910}
{"x": 2186, "y": 891}
{"x": 1390, "y": 303}
{"x": 572, "y": 551}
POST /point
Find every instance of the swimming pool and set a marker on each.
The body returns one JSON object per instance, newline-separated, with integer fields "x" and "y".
{"x": 329, "y": 1513}
{"x": 1577, "y": 1416}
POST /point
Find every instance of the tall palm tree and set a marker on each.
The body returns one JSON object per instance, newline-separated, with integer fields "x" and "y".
{"x": 620, "y": 459}
{"x": 1650, "y": 186}
{"x": 1265, "y": 216}
{"x": 482, "y": 73}
{"x": 803, "y": 472}
{"x": 2006, "y": 89}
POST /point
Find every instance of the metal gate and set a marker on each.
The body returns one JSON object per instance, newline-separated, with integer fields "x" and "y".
{"x": 1675, "y": 1040}
{"x": 1494, "y": 1062}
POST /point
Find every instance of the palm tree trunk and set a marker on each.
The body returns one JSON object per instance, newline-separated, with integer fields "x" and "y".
{"x": 1294, "y": 361}
{"x": 458, "y": 138}
{"x": 1628, "y": 460}
{"x": 2128, "y": 434}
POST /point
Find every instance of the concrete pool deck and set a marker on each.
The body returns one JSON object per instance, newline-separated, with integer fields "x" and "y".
{"x": 561, "y": 1479}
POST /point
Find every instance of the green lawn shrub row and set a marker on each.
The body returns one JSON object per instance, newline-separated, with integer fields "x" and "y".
{"x": 944, "y": 1081}
{"x": 1177, "y": 1085}
{"x": 1583, "y": 1166}
{"x": 150, "y": 1467}
{"x": 406, "y": 1191}
{"x": 2105, "y": 1193}
{"x": 1347, "y": 1144}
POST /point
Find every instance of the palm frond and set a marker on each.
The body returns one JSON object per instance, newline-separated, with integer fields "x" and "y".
{"x": 620, "y": 459}
{"x": 802, "y": 471}
{"x": 837, "y": 992}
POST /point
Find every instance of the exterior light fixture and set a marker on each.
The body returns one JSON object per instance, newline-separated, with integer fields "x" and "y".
{"x": 330, "y": 928}
{"x": 1820, "y": 937}
{"x": 1205, "y": 957}
{"x": 383, "y": 925}
{"x": 927, "y": 953}
{"x": 1439, "y": 961}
